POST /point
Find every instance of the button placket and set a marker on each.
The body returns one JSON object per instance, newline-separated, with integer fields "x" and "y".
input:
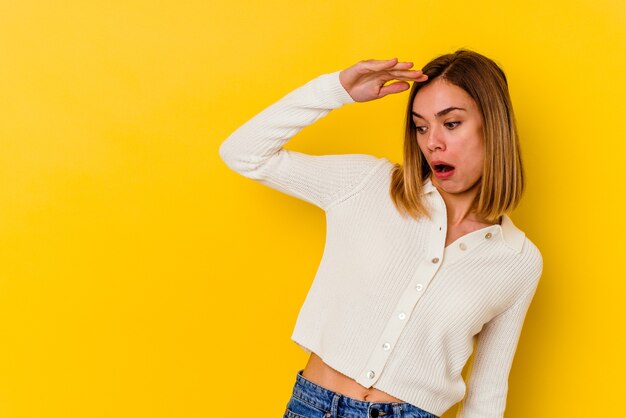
{"x": 400, "y": 317}
{"x": 394, "y": 327}
{"x": 390, "y": 335}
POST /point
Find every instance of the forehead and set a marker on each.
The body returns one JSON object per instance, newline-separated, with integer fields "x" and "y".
{"x": 440, "y": 94}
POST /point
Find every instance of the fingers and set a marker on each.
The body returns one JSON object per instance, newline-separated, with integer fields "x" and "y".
{"x": 405, "y": 65}
{"x": 402, "y": 85}
{"x": 406, "y": 74}
{"x": 397, "y": 87}
{"x": 392, "y": 67}
{"x": 391, "y": 64}
{"x": 372, "y": 75}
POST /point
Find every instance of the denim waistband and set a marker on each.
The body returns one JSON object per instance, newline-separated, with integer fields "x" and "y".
{"x": 347, "y": 407}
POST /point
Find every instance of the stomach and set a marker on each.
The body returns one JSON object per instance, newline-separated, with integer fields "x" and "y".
{"x": 323, "y": 375}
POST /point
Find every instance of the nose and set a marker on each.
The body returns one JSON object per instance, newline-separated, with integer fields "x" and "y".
{"x": 436, "y": 139}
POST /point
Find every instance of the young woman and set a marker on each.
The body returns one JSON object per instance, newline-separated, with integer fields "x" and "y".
{"x": 421, "y": 259}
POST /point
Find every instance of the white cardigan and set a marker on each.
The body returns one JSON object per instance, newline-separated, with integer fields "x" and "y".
{"x": 390, "y": 305}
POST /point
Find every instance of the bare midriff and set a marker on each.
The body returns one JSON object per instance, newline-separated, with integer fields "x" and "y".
{"x": 322, "y": 374}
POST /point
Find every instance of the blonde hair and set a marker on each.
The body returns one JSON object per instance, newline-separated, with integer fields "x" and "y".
{"x": 503, "y": 180}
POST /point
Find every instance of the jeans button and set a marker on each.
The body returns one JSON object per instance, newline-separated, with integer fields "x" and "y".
{"x": 374, "y": 412}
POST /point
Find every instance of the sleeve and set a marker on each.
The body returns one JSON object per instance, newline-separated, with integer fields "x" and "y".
{"x": 255, "y": 150}
{"x": 489, "y": 373}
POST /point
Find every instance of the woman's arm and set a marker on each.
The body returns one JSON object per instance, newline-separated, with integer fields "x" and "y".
{"x": 255, "y": 150}
{"x": 495, "y": 350}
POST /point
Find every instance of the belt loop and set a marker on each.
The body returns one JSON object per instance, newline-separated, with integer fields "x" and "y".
{"x": 397, "y": 410}
{"x": 334, "y": 407}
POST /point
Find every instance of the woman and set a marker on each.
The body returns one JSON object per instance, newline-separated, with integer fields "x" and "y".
{"x": 421, "y": 259}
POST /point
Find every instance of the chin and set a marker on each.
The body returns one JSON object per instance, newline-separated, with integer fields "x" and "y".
{"x": 455, "y": 188}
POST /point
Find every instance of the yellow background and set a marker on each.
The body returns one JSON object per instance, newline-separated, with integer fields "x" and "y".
{"x": 140, "y": 277}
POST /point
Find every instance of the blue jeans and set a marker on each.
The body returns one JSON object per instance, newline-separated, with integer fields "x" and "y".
{"x": 310, "y": 400}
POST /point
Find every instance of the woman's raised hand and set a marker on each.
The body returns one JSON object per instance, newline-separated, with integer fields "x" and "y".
{"x": 365, "y": 80}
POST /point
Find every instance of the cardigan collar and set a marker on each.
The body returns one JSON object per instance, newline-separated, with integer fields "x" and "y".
{"x": 511, "y": 234}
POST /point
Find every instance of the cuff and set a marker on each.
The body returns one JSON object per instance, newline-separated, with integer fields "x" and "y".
{"x": 330, "y": 82}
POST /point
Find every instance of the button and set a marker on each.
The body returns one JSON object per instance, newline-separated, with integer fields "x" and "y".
{"x": 374, "y": 413}
{"x": 463, "y": 246}
{"x": 401, "y": 315}
{"x": 386, "y": 346}
{"x": 418, "y": 287}
{"x": 371, "y": 374}
{"x": 435, "y": 260}
{"x": 488, "y": 235}
{"x": 440, "y": 228}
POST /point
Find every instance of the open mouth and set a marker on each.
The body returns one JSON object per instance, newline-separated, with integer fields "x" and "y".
{"x": 443, "y": 168}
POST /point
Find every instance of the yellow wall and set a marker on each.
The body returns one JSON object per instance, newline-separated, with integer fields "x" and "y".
{"x": 140, "y": 277}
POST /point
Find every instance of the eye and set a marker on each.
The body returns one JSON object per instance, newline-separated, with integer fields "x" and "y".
{"x": 451, "y": 125}
{"x": 420, "y": 129}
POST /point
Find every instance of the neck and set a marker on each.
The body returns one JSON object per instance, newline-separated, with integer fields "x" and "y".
{"x": 458, "y": 205}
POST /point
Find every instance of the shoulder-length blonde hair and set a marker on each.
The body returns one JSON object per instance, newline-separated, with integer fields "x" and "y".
{"x": 503, "y": 179}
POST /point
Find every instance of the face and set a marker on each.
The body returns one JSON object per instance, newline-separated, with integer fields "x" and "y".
{"x": 449, "y": 132}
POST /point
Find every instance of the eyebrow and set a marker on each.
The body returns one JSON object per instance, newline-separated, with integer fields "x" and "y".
{"x": 440, "y": 113}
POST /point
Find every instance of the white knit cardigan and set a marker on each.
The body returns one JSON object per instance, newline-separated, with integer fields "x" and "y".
{"x": 391, "y": 306}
